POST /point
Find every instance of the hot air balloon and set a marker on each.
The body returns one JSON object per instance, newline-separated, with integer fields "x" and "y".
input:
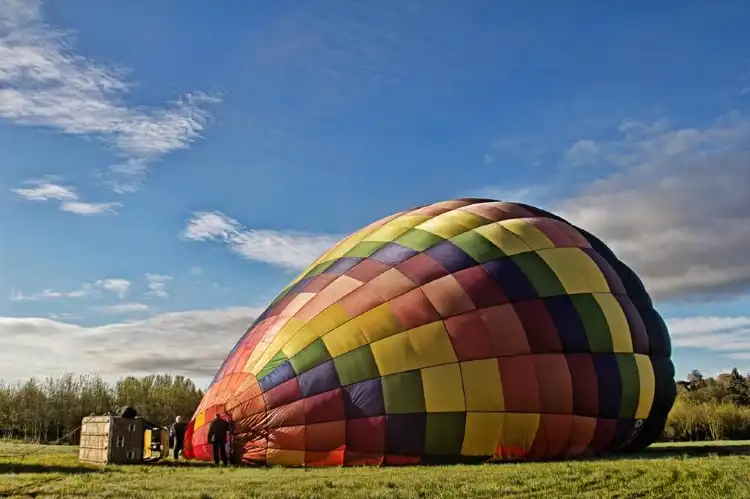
{"x": 464, "y": 330}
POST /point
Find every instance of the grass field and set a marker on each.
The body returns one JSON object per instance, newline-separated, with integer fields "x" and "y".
{"x": 719, "y": 469}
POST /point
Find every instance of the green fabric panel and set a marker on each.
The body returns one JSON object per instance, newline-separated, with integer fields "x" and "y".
{"x": 477, "y": 246}
{"x": 357, "y": 365}
{"x": 542, "y": 277}
{"x": 418, "y": 239}
{"x": 311, "y": 356}
{"x": 445, "y": 432}
{"x": 319, "y": 268}
{"x": 630, "y": 388}
{"x": 403, "y": 393}
{"x": 275, "y": 362}
{"x": 594, "y": 321}
{"x": 364, "y": 249}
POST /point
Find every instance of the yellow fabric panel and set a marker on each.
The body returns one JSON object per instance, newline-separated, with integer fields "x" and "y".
{"x": 327, "y": 320}
{"x": 378, "y": 323}
{"x": 576, "y": 271}
{"x": 648, "y": 386}
{"x": 424, "y": 346}
{"x": 344, "y": 338}
{"x": 504, "y": 239}
{"x": 299, "y": 341}
{"x": 532, "y": 236}
{"x": 452, "y": 223}
{"x": 283, "y": 457}
{"x": 290, "y": 328}
{"x": 482, "y": 385}
{"x": 200, "y": 420}
{"x": 622, "y": 341}
{"x": 395, "y": 228}
{"x": 482, "y": 433}
{"x": 519, "y": 432}
{"x": 443, "y": 390}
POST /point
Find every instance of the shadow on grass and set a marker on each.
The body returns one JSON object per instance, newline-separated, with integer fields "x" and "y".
{"x": 37, "y": 468}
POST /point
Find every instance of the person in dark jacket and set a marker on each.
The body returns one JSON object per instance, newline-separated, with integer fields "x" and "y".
{"x": 177, "y": 435}
{"x": 219, "y": 432}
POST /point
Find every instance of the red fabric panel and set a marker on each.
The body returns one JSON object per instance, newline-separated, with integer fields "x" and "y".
{"x": 366, "y": 435}
{"x": 286, "y": 415}
{"x": 413, "y": 309}
{"x": 327, "y": 406}
{"x": 505, "y": 330}
{"x": 483, "y": 290}
{"x": 326, "y": 436}
{"x": 362, "y": 459}
{"x": 555, "y": 385}
{"x": 469, "y": 336}
{"x": 331, "y": 458}
{"x": 285, "y": 393}
{"x": 361, "y": 300}
{"x": 605, "y": 430}
{"x": 540, "y": 327}
{"x": 393, "y": 459}
{"x": 287, "y": 438}
{"x": 367, "y": 270}
{"x": 320, "y": 282}
{"x": 582, "y": 432}
{"x": 520, "y": 385}
{"x": 584, "y": 384}
{"x": 421, "y": 269}
{"x": 552, "y": 437}
{"x": 561, "y": 234}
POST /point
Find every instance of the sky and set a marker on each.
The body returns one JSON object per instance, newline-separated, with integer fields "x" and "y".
{"x": 166, "y": 168}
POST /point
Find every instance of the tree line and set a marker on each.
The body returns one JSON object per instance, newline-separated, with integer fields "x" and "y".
{"x": 46, "y": 410}
{"x": 52, "y": 408}
{"x": 709, "y": 408}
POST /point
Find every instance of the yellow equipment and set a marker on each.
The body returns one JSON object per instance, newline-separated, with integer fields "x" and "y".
{"x": 121, "y": 440}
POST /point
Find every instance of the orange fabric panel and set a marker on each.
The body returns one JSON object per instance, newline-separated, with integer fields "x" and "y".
{"x": 362, "y": 459}
{"x": 254, "y": 452}
{"x": 326, "y": 436}
{"x": 288, "y": 437}
{"x": 331, "y": 458}
{"x": 505, "y": 330}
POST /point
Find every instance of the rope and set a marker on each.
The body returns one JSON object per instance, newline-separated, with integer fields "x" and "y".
{"x": 44, "y": 446}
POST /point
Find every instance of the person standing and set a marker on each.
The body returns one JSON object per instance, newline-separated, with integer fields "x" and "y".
{"x": 177, "y": 435}
{"x": 219, "y": 433}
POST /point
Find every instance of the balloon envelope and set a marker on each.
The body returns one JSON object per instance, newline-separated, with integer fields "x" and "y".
{"x": 464, "y": 330}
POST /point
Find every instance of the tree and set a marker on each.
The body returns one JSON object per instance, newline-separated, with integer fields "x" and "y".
{"x": 696, "y": 380}
{"x": 738, "y": 389}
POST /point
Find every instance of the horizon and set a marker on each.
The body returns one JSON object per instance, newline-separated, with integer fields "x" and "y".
{"x": 168, "y": 169}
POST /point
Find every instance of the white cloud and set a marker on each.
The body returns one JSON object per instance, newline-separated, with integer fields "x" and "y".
{"x": 44, "y": 190}
{"x": 534, "y": 195}
{"x": 196, "y": 270}
{"x": 157, "y": 284}
{"x": 193, "y": 343}
{"x": 676, "y": 207}
{"x": 582, "y": 152}
{"x": 124, "y": 308}
{"x": 728, "y": 336}
{"x": 290, "y": 250}
{"x": 117, "y": 286}
{"x": 44, "y": 83}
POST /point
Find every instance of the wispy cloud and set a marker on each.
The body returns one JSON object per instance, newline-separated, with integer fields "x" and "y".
{"x": 44, "y": 83}
{"x": 728, "y": 336}
{"x": 290, "y": 250}
{"x": 157, "y": 284}
{"x": 117, "y": 286}
{"x": 675, "y": 206}
{"x": 124, "y": 308}
{"x": 44, "y": 347}
{"x": 44, "y": 190}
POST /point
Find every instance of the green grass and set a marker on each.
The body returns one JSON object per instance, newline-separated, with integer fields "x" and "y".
{"x": 697, "y": 470}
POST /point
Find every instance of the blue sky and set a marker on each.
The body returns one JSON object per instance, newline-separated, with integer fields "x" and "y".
{"x": 167, "y": 167}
